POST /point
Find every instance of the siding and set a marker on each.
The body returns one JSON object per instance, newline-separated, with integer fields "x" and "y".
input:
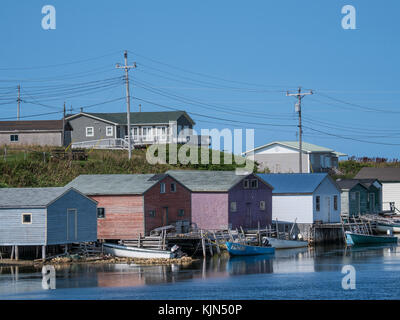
{"x": 86, "y": 219}
{"x": 390, "y": 193}
{"x": 282, "y": 162}
{"x": 13, "y": 232}
{"x": 289, "y": 207}
{"x": 210, "y": 210}
{"x": 154, "y": 200}
{"x": 124, "y": 217}
{"x": 327, "y": 190}
{"x": 79, "y": 125}
{"x": 33, "y": 138}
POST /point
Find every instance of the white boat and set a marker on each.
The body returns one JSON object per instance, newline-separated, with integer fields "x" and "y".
{"x": 134, "y": 252}
{"x": 286, "y": 244}
{"x": 385, "y": 227}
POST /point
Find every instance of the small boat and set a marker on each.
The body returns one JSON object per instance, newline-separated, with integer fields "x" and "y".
{"x": 134, "y": 252}
{"x": 384, "y": 227}
{"x": 239, "y": 249}
{"x": 286, "y": 244}
{"x": 358, "y": 238}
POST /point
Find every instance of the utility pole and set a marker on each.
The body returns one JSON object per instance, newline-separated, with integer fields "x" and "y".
{"x": 63, "y": 129}
{"x": 300, "y": 95}
{"x": 128, "y": 98}
{"x": 18, "y": 101}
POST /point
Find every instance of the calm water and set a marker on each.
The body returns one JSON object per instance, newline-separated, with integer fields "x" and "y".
{"x": 289, "y": 274}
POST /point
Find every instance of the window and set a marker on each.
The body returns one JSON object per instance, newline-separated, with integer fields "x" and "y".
{"x": 254, "y": 183}
{"x": 14, "y": 137}
{"x": 109, "y": 131}
{"x": 162, "y": 187}
{"x": 181, "y": 212}
{"x": 135, "y": 134}
{"x": 335, "y": 202}
{"x": 245, "y": 184}
{"x": 233, "y": 206}
{"x": 26, "y": 218}
{"x": 89, "y": 131}
{"x": 262, "y": 205}
{"x": 318, "y": 203}
{"x": 101, "y": 213}
{"x": 173, "y": 187}
{"x": 152, "y": 213}
{"x": 352, "y": 195}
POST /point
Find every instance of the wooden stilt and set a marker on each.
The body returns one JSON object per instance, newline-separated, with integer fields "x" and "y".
{"x": 12, "y": 252}
{"x": 16, "y": 253}
{"x": 43, "y": 252}
{"x": 217, "y": 244}
{"x": 203, "y": 243}
{"x": 210, "y": 248}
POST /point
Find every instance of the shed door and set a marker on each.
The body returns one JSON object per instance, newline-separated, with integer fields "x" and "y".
{"x": 249, "y": 218}
{"x": 372, "y": 202}
{"x": 328, "y": 207}
{"x": 72, "y": 231}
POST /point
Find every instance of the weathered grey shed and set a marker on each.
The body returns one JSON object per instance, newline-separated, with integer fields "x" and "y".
{"x": 46, "y": 216}
{"x": 354, "y": 197}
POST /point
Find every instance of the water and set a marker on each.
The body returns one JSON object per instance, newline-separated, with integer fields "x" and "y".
{"x": 289, "y": 274}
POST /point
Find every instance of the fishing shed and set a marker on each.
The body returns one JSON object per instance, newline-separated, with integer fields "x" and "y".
{"x": 45, "y": 217}
{"x": 354, "y": 197}
{"x": 224, "y": 199}
{"x": 305, "y": 198}
{"x": 130, "y": 205}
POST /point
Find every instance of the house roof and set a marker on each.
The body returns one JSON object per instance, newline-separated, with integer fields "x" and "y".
{"x": 293, "y": 182}
{"x": 381, "y": 174}
{"x": 114, "y": 184}
{"x": 29, "y": 197}
{"x": 32, "y": 125}
{"x": 306, "y": 147}
{"x": 206, "y": 181}
{"x": 368, "y": 182}
{"x": 137, "y": 117}
{"x": 347, "y": 184}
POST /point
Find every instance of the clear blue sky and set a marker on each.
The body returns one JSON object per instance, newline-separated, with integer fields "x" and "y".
{"x": 184, "y": 50}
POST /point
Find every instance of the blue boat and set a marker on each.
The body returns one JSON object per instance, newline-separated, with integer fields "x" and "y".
{"x": 357, "y": 238}
{"x": 239, "y": 249}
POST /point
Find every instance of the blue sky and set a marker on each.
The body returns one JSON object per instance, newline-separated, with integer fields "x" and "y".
{"x": 228, "y": 63}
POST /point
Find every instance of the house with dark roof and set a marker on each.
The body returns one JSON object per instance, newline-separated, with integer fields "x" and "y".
{"x": 35, "y": 132}
{"x": 130, "y": 205}
{"x": 304, "y": 198}
{"x": 45, "y": 217}
{"x": 283, "y": 157}
{"x": 103, "y": 130}
{"x": 223, "y": 199}
{"x": 389, "y": 178}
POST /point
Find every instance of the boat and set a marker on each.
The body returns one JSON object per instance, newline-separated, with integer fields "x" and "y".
{"x": 286, "y": 244}
{"x": 358, "y": 238}
{"x": 384, "y": 227}
{"x": 134, "y": 252}
{"x": 240, "y": 249}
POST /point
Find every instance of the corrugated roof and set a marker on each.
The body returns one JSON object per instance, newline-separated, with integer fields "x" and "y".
{"x": 140, "y": 117}
{"x": 29, "y": 197}
{"x": 293, "y": 182}
{"x": 206, "y": 181}
{"x": 382, "y": 174}
{"x": 31, "y": 125}
{"x": 113, "y": 184}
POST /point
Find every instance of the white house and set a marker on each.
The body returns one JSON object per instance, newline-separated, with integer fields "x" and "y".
{"x": 283, "y": 157}
{"x": 306, "y": 198}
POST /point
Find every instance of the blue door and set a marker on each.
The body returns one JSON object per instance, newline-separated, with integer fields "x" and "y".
{"x": 71, "y": 224}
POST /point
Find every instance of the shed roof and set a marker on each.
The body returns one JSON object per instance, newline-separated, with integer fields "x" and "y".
{"x": 381, "y": 174}
{"x": 138, "y": 117}
{"x": 32, "y": 125}
{"x": 293, "y": 182}
{"x": 114, "y": 184}
{"x": 29, "y": 197}
{"x": 206, "y": 181}
{"x": 347, "y": 184}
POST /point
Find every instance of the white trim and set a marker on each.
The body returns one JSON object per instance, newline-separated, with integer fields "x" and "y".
{"x": 22, "y": 217}
{"x": 90, "y": 116}
{"x": 89, "y": 135}
{"x": 112, "y": 131}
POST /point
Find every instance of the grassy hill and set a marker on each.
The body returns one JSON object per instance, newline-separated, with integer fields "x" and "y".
{"x": 351, "y": 167}
{"x": 36, "y": 167}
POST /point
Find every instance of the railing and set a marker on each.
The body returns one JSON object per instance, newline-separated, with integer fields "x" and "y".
{"x": 112, "y": 143}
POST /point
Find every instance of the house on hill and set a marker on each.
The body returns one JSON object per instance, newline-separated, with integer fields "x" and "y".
{"x": 283, "y": 157}
{"x": 223, "y": 199}
{"x": 306, "y": 198}
{"x": 110, "y": 130}
{"x": 389, "y": 178}
{"x": 130, "y": 205}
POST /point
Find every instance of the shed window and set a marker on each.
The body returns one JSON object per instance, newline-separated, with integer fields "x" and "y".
{"x": 318, "y": 203}
{"x": 109, "y": 131}
{"x": 152, "y": 213}
{"x": 162, "y": 187}
{"x": 89, "y": 131}
{"x": 245, "y": 184}
{"x": 26, "y": 218}
{"x": 14, "y": 138}
{"x": 173, "y": 187}
{"x": 233, "y": 206}
{"x": 335, "y": 202}
{"x": 181, "y": 212}
{"x": 262, "y": 205}
{"x": 101, "y": 213}
{"x": 254, "y": 183}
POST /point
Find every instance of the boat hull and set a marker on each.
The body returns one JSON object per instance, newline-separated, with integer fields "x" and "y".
{"x": 355, "y": 238}
{"x": 383, "y": 228}
{"x": 238, "y": 249}
{"x": 132, "y": 252}
{"x": 286, "y": 244}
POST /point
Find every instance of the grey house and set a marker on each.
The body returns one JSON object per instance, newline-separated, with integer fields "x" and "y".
{"x": 283, "y": 157}
{"x": 35, "y": 132}
{"x": 104, "y": 130}
{"x": 46, "y": 217}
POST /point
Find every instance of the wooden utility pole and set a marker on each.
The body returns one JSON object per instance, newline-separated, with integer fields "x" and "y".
{"x": 128, "y": 98}
{"x": 63, "y": 128}
{"x": 300, "y": 95}
{"x": 18, "y": 101}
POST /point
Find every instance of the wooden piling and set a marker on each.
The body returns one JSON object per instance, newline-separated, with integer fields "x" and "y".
{"x": 16, "y": 253}
{"x": 217, "y": 244}
{"x": 43, "y": 253}
{"x": 203, "y": 243}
